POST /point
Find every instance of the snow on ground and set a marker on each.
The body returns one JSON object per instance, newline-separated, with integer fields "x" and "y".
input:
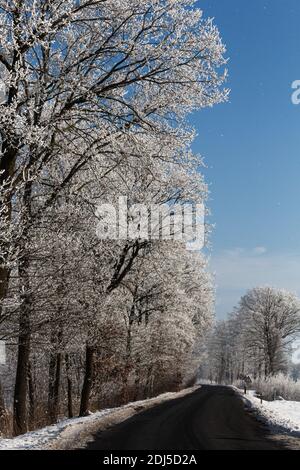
{"x": 280, "y": 415}
{"x": 74, "y": 433}
{"x": 42, "y": 437}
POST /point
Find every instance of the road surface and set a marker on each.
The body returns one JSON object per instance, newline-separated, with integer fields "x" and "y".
{"x": 212, "y": 418}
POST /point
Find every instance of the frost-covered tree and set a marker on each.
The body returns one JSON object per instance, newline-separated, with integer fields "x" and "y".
{"x": 255, "y": 341}
{"x": 271, "y": 318}
{"x": 96, "y": 95}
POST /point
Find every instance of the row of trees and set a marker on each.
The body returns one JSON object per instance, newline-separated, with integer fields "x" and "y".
{"x": 95, "y": 104}
{"x": 256, "y": 339}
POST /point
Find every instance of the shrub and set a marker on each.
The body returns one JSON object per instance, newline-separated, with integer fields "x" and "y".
{"x": 278, "y": 386}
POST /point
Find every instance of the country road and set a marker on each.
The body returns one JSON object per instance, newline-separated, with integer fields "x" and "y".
{"x": 212, "y": 418}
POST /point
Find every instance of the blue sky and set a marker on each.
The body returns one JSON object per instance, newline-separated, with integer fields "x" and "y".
{"x": 252, "y": 148}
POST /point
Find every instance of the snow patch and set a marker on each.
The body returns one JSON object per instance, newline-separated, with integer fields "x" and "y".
{"x": 281, "y": 416}
{"x": 40, "y": 438}
{"x": 74, "y": 433}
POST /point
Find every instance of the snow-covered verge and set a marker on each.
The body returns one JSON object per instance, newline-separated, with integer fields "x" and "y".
{"x": 76, "y": 432}
{"x": 41, "y": 438}
{"x": 281, "y": 416}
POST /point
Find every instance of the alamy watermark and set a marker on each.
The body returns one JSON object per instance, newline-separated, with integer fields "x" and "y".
{"x": 296, "y": 93}
{"x": 176, "y": 222}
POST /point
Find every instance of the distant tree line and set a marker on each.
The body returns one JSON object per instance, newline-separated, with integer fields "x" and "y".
{"x": 257, "y": 338}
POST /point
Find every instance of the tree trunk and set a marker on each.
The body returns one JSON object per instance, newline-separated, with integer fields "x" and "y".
{"x": 7, "y": 168}
{"x": 147, "y": 389}
{"x": 57, "y": 385}
{"x": 127, "y": 366}
{"x": 3, "y": 414}
{"x": 4, "y": 279}
{"x": 69, "y": 387}
{"x": 88, "y": 381}
{"x": 31, "y": 395}
{"x": 54, "y": 387}
{"x": 137, "y": 381}
{"x": 20, "y": 392}
{"x": 52, "y": 367}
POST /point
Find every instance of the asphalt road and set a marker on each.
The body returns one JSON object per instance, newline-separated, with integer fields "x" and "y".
{"x": 212, "y": 418}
